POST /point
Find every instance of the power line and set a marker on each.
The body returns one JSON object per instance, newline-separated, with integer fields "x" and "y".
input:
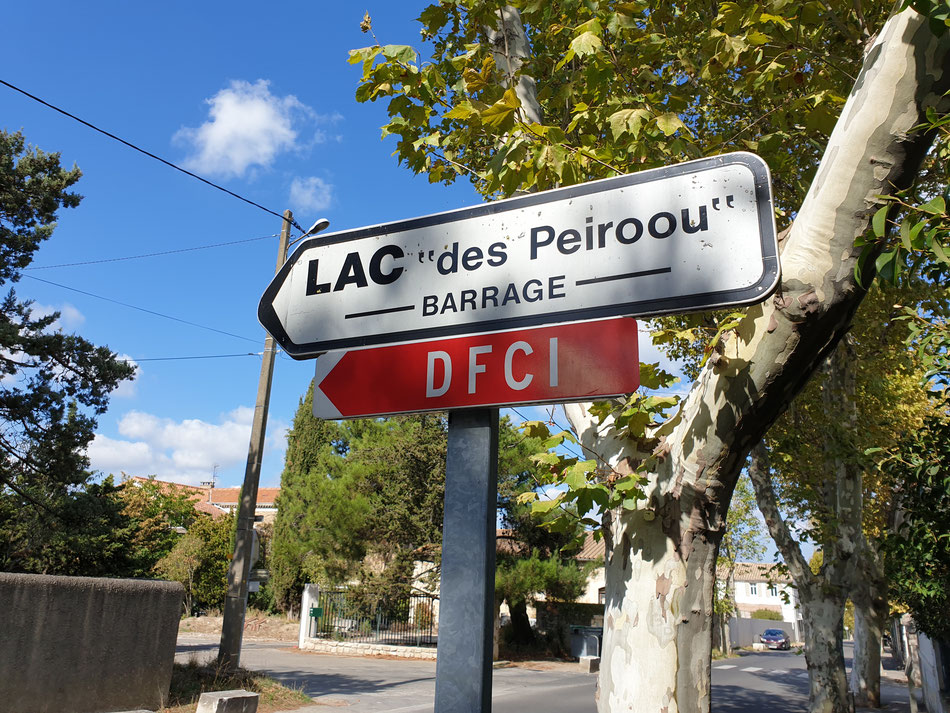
{"x": 140, "y": 309}
{"x": 164, "y": 252}
{"x": 147, "y": 153}
{"x": 204, "y": 356}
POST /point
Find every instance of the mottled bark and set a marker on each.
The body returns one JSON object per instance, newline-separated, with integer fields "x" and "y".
{"x": 828, "y": 685}
{"x": 660, "y": 566}
{"x": 870, "y": 617}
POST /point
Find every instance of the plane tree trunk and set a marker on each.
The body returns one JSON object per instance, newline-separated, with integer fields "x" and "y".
{"x": 822, "y": 596}
{"x": 870, "y": 617}
{"x": 661, "y": 558}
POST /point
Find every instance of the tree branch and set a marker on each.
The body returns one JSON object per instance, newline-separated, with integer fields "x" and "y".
{"x": 759, "y": 474}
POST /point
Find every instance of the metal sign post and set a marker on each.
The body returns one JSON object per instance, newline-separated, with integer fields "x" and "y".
{"x": 463, "y": 665}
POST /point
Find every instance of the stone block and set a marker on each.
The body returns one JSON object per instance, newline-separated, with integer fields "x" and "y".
{"x": 590, "y": 664}
{"x": 228, "y": 702}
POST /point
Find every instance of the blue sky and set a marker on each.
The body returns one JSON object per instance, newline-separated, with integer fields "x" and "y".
{"x": 258, "y": 99}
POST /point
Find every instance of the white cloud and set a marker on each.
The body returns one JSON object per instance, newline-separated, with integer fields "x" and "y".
{"x": 69, "y": 316}
{"x": 114, "y": 456}
{"x": 310, "y": 195}
{"x": 248, "y": 126}
{"x": 182, "y": 451}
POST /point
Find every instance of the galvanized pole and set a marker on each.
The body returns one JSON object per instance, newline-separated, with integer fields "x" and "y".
{"x": 235, "y": 603}
{"x": 464, "y": 664}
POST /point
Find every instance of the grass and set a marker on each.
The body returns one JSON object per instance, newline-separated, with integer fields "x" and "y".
{"x": 190, "y": 680}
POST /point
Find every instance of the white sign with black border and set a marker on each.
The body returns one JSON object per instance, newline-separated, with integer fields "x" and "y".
{"x": 695, "y": 236}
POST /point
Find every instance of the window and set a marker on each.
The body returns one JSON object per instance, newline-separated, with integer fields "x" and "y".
{"x": 773, "y": 590}
{"x": 753, "y": 588}
{"x": 602, "y": 595}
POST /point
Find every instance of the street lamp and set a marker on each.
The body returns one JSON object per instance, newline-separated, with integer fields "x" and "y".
{"x": 319, "y": 226}
{"x": 235, "y": 602}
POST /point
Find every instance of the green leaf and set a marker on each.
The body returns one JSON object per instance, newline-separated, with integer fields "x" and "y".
{"x": 366, "y": 55}
{"x": 576, "y": 478}
{"x": 916, "y": 242}
{"x": 879, "y": 221}
{"x": 628, "y": 121}
{"x": 586, "y": 43}
{"x": 670, "y": 123}
{"x": 568, "y": 56}
{"x": 935, "y": 206}
{"x": 939, "y": 252}
{"x": 776, "y": 20}
{"x": 558, "y": 438}
{"x": 653, "y": 377}
{"x": 535, "y": 429}
{"x": 400, "y": 53}
{"x": 632, "y": 8}
{"x": 905, "y": 234}
{"x": 545, "y": 506}
{"x": 730, "y": 16}
{"x": 526, "y": 497}
{"x": 627, "y": 484}
{"x": 501, "y": 114}
{"x": 463, "y": 110}
{"x": 886, "y": 265}
{"x": 546, "y": 458}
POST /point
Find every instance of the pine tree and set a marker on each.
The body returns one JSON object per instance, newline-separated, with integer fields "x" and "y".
{"x": 53, "y": 519}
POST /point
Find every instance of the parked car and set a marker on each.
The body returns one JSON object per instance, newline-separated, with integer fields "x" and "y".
{"x": 775, "y": 639}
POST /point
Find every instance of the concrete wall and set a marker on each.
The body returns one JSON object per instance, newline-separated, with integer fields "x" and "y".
{"x": 933, "y": 674}
{"x": 86, "y": 645}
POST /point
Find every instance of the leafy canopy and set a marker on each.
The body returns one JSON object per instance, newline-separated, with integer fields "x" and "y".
{"x": 621, "y": 87}
{"x": 917, "y": 554}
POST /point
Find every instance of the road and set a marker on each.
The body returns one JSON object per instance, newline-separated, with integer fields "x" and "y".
{"x": 773, "y": 680}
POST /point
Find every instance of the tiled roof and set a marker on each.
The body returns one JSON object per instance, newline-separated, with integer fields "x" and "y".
{"x": 229, "y": 496}
{"x": 212, "y": 510}
{"x": 591, "y": 550}
{"x": 222, "y": 497}
{"x": 756, "y": 572}
{"x": 165, "y": 485}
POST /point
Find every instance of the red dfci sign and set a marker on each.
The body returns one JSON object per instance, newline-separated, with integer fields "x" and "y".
{"x": 572, "y": 362}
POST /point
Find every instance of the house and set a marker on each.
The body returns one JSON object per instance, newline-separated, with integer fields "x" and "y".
{"x": 760, "y": 585}
{"x": 756, "y": 586}
{"x": 592, "y": 553}
{"x": 218, "y": 502}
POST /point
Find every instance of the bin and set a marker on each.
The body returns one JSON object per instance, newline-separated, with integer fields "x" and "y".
{"x": 586, "y": 640}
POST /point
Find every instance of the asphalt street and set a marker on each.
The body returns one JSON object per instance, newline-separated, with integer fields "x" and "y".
{"x": 775, "y": 681}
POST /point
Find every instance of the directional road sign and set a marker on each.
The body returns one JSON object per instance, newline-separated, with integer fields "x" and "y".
{"x": 688, "y": 237}
{"x": 566, "y": 362}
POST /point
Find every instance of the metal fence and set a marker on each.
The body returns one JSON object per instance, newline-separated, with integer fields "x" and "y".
{"x": 411, "y": 621}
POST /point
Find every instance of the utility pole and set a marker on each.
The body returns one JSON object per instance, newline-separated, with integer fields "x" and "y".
{"x": 235, "y": 603}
